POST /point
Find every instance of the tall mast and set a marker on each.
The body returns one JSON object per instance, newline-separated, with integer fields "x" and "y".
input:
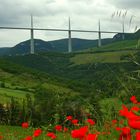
{"x": 69, "y": 40}
{"x": 32, "y": 37}
{"x": 99, "y": 35}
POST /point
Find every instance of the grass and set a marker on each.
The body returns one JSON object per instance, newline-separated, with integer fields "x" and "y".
{"x": 18, "y": 133}
{"x": 6, "y": 94}
{"x": 58, "y": 89}
{"x": 13, "y": 132}
{"x": 121, "y": 45}
{"x": 102, "y": 57}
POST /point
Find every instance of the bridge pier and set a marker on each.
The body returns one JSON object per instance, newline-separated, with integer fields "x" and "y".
{"x": 32, "y": 51}
{"x": 123, "y": 34}
{"x": 99, "y": 36}
{"x": 69, "y": 39}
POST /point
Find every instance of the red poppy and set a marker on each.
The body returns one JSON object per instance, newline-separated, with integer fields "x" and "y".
{"x": 51, "y": 135}
{"x": 28, "y": 138}
{"x": 91, "y": 137}
{"x": 69, "y": 118}
{"x": 135, "y": 108}
{"x": 137, "y": 135}
{"x": 75, "y": 121}
{"x": 25, "y": 125}
{"x": 133, "y": 99}
{"x": 118, "y": 129}
{"x": 128, "y": 114}
{"x": 126, "y": 134}
{"x": 37, "y": 132}
{"x": 80, "y": 133}
{"x": 135, "y": 124}
{"x": 114, "y": 121}
{"x": 58, "y": 127}
{"x": 90, "y": 121}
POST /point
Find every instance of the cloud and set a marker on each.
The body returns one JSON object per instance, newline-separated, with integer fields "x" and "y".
{"x": 54, "y": 14}
{"x": 125, "y": 4}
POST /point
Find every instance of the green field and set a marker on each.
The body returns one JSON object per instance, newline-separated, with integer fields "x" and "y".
{"x": 102, "y": 57}
{"x": 6, "y": 94}
{"x": 121, "y": 45}
{"x": 18, "y": 133}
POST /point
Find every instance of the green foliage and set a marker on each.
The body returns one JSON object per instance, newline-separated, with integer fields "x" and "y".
{"x": 109, "y": 108}
{"x": 2, "y": 84}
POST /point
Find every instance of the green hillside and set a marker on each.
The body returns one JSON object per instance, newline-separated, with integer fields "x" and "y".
{"x": 18, "y": 80}
{"x": 61, "y": 71}
{"x": 65, "y": 70}
{"x": 54, "y": 85}
{"x": 121, "y": 45}
{"x": 6, "y": 94}
{"x": 103, "y": 57}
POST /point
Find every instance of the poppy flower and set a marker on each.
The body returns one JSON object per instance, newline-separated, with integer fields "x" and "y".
{"x": 37, "y": 132}
{"x": 137, "y": 135}
{"x": 79, "y": 133}
{"x": 125, "y": 134}
{"x": 28, "y": 138}
{"x": 91, "y": 137}
{"x": 75, "y": 121}
{"x": 135, "y": 124}
{"x": 51, "y": 135}
{"x": 128, "y": 114}
{"x": 25, "y": 125}
{"x": 90, "y": 121}
{"x": 69, "y": 118}
{"x": 133, "y": 100}
{"x": 114, "y": 121}
{"x": 58, "y": 127}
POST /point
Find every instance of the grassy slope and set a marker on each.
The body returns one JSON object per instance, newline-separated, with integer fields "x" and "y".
{"x": 130, "y": 44}
{"x": 25, "y": 71}
{"x": 20, "y": 80}
{"x": 106, "y": 54}
{"x": 6, "y": 94}
{"x": 121, "y": 45}
{"x": 103, "y": 57}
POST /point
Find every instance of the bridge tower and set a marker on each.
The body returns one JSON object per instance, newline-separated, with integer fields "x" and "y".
{"x": 99, "y": 35}
{"x": 32, "y": 50}
{"x": 69, "y": 39}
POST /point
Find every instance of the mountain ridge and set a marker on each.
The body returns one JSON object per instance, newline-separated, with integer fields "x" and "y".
{"x": 61, "y": 45}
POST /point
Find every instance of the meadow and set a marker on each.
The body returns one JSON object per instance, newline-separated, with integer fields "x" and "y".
{"x": 125, "y": 126}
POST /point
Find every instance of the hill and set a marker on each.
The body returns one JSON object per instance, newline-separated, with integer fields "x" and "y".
{"x": 116, "y": 46}
{"x": 128, "y": 36}
{"x": 52, "y": 46}
{"x": 67, "y": 69}
{"x": 95, "y": 68}
{"x": 17, "y": 80}
{"x": 4, "y": 50}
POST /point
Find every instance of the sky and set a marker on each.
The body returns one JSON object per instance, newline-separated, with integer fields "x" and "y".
{"x": 84, "y": 15}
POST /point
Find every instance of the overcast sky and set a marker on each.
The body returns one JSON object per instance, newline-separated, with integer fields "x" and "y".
{"x": 54, "y": 14}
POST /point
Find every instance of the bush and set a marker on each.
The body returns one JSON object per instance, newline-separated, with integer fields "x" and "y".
{"x": 2, "y": 84}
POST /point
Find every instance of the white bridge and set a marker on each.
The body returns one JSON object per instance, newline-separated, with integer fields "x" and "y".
{"x": 69, "y": 30}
